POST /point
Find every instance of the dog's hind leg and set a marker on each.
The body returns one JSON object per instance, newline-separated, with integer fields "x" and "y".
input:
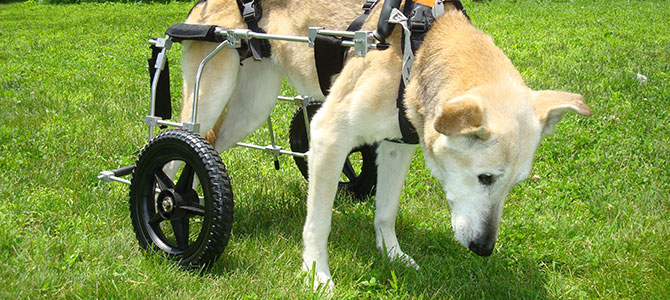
{"x": 393, "y": 162}
{"x": 217, "y": 82}
{"x": 216, "y": 86}
{"x": 258, "y": 84}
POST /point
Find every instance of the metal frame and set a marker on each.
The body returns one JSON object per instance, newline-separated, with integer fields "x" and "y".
{"x": 362, "y": 42}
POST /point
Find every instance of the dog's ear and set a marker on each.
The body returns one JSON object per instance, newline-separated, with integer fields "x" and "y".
{"x": 550, "y": 106}
{"x": 461, "y": 116}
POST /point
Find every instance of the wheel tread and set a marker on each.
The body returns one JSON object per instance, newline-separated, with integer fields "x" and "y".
{"x": 223, "y": 205}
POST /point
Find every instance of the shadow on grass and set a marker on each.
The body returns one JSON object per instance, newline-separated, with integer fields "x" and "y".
{"x": 447, "y": 268}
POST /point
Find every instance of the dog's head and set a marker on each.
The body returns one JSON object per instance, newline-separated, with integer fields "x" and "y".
{"x": 482, "y": 144}
{"x": 480, "y": 124}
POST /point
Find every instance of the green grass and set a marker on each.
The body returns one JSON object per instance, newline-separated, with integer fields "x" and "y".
{"x": 591, "y": 223}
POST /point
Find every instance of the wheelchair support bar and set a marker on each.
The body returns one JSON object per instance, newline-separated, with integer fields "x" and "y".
{"x": 114, "y": 175}
{"x": 362, "y": 40}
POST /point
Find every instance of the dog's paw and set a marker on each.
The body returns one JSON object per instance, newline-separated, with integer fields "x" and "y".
{"x": 319, "y": 280}
{"x": 395, "y": 254}
{"x": 408, "y": 261}
{"x": 320, "y": 283}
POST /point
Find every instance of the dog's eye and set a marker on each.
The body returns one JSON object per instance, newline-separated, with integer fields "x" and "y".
{"x": 486, "y": 179}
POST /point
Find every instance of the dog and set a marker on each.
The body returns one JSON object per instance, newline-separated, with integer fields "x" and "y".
{"x": 479, "y": 124}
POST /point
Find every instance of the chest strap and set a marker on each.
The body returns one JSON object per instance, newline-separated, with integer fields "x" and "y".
{"x": 252, "y": 12}
{"x": 329, "y": 55}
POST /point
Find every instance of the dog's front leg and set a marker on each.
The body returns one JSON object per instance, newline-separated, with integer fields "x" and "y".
{"x": 329, "y": 146}
{"x": 393, "y": 162}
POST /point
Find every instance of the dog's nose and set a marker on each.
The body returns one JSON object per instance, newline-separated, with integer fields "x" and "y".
{"x": 482, "y": 249}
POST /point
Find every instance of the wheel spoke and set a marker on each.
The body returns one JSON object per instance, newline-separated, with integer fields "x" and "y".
{"x": 156, "y": 219}
{"x": 164, "y": 181}
{"x": 185, "y": 181}
{"x": 194, "y": 209}
{"x": 348, "y": 170}
{"x": 180, "y": 229}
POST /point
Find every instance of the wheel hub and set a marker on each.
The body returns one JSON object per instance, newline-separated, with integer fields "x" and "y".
{"x": 167, "y": 204}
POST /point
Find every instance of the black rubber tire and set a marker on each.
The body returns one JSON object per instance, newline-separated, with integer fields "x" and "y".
{"x": 359, "y": 185}
{"x": 213, "y": 208}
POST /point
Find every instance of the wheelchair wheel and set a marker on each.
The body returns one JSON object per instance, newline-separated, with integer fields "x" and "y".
{"x": 188, "y": 218}
{"x": 359, "y": 174}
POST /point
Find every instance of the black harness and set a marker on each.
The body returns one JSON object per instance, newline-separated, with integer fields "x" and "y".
{"x": 329, "y": 55}
{"x": 252, "y": 12}
{"x": 420, "y": 20}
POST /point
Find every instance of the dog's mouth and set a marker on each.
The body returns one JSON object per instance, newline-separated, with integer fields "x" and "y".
{"x": 484, "y": 249}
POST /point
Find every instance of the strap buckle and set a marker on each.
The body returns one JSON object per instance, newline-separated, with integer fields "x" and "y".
{"x": 249, "y": 11}
{"x": 369, "y": 4}
{"x": 421, "y": 18}
{"x": 418, "y": 26}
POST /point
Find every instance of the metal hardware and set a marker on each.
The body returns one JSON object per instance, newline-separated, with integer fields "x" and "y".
{"x": 167, "y": 204}
{"x": 168, "y": 123}
{"x": 275, "y": 148}
{"x": 234, "y": 35}
{"x": 361, "y": 41}
{"x": 233, "y": 39}
{"x": 438, "y": 9}
{"x": 151, "y": 121}
{"x": 271, "y": 149}
{"x": 312, "y": 32}
{"x": 195, "y": 127}
{"x": 166, "y": 44}
{"x": 108, "y": 176}
{"x": 197, "y": 80}
{"x": 408, "y": 57}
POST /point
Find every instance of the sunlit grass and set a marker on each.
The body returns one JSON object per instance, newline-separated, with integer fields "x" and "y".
{"x": 592, "y": 222}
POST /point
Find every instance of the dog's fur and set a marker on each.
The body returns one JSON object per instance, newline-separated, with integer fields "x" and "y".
{"x": 478, "y": 122}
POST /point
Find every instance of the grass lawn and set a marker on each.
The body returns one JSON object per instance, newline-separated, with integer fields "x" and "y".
{"x": 592, "y": 222}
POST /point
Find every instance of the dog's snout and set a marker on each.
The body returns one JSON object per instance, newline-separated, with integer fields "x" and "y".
{"x": 482, "y": 249}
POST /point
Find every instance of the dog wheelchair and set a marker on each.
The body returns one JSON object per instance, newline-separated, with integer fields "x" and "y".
{"x": 189, "y": 218}
{"x": 181, "y": 200}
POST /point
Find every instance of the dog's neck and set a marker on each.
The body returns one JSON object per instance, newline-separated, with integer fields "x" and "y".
{"x": 454, "y": 59}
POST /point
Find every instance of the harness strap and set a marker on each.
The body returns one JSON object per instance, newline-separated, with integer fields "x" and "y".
{"x": 329, "y": 55}
{"x": 163, "y": 105}
{"x": 422, "y": 14}
{"x": 252, "y": 12}
{"x": 329, "y": 59}
{"x": 360, "y": 20}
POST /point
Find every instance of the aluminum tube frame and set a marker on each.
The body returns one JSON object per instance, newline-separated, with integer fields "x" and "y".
{"x": 271, "y": 149}
{"x": 234, "y": 35}
{"x": 198, "y": 75}
{"x": 160, "y": 65}
{"x": 362, "y": 41}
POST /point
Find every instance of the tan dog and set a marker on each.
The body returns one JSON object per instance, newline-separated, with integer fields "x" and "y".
{"x": 478, "y": 122}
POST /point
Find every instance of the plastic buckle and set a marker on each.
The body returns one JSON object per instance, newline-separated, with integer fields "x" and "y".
{"x": 418, "y": 26}
{"x": 249, "y": 12}
{"x": 369, "y": 4}
{"x": 421, "y": 18}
